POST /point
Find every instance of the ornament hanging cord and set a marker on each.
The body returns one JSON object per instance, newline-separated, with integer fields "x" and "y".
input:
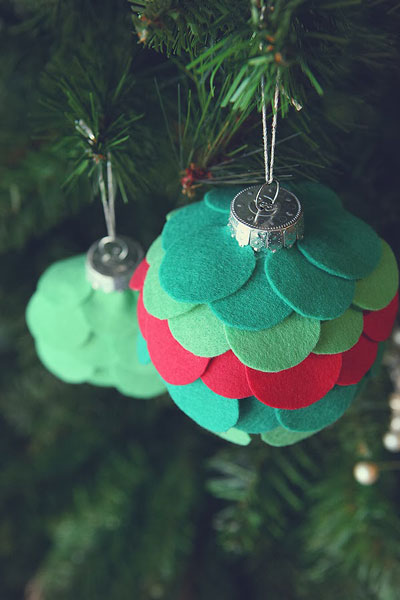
{"x": 108, "y": 197}
{"x": 268, "y": 160}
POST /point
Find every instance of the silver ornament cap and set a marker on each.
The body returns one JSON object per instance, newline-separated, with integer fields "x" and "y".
{"x": 267, "y": 217}
{"x": 111, "y": 261}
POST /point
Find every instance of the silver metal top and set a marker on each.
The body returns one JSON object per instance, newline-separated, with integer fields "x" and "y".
{"x": 268, "y": 217}
{"x": 110, "y": 263}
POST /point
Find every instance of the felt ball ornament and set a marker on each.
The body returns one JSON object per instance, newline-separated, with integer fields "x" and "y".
{"x": 251, "y": 341}
{"x": 83, "y": 334}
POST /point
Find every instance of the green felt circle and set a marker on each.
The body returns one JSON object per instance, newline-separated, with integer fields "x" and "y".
{"x": 377, "y": 290}
{"x": 341, "y": 245}
{"x": 256, "y": 417}
{"x": 341, "y": 334}
{"x": 236, "y": 437}
{"x": 254, "y": 306}
{"x": 208, "y": 267}
{"x": 320, "y": 414}
{"x": 310, "y": 291}
{"x": 282, "y": 437}
{"x": 101, "y": 377}
{"x": 155, "y": 253}
{"x": 64, "y": 327}
{"x": 64, "y": 365}
{"x": 206, "y": 408}
{"x": 220, "y": 199}
{"x": 64, "y": 283}
{"x": 200, "y": 332}
{"x": 142, "y": 350}
{"x": 156, "y": 301}
{"x": 113, "y": 314}
{"x": 280, "y": 347}
{"x": 123, "y": 351}
{"x": 144, "y": 384}
{"x": 188, "y": 221}
{"x": 315, "y": 197}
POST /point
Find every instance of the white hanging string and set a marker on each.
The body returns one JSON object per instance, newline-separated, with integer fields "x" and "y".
{"x": 270, "y": 160}
{"x": 107, "y": 195}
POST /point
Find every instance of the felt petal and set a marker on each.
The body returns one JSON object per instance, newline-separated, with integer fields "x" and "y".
{"x": 320, "y": 414}
{"x": 157, "y": 302}
{"x": 141, "y": 350}
{"x": 254, "y": 306}
{"x": 189, "y": 220}
{"x": 111, "y": 314}
{"x": 340, "y": 334}
{"x": 226, "y": 375}
{"x": 200, "y": 332}
{"x": 101, "y": 377}
{"x": 137, "y": 280}
{"x": 378, "y": 324}
{"x": 256, "y": 417}
{"x": 220, "y": 199}
{"x": 143, "y": 384}
{"x": 236, "y": 436}
{"x": 64, "y": 365}
{"x": 342, "y": 245}
{"x": 156, "y": 252}
{"x": 211, "y": 266}
{"x": 64, "y": 282}
{"x": 299, "y": 386}
{"x": 176, "y": 365}
{"x": 206, "y": 408}
{"x": 377, "y": 290}
{"x": 309, "y": 290}
{"x": 316, "y": 197}
{"x": 375, "y": 369}
{"x": 63, "y": 328}
{"x": 141, "y": 314}
{"x": 283, "y": 437}
{"x": 280, "y": 347}
{"x": 357, "y": 361}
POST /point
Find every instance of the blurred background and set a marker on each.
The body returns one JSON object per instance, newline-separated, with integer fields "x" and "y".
{"x": 103, "y": 496}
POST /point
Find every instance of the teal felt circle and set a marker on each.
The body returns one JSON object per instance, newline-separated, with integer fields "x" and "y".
{"x": 315, "y": 197}
{"x": 142, "y": 350}
{"x": 207, "y": 409}
{"x": 310, "y": 291}
{"x": 340, "y": 334}
{"x": 208, "y": 267}
{"x": 111, "y": 314}
{"x": 320, "y": 414}
{"x": 378, "y": 289}
{"x": 256, "y": 417}
{"x": 200, "y": 332}
{"x": 220, "y": 198}
{"x": 189, "y": 221}
{"x": 66, "y": 366}
{"x": 64, "y": 327}
{"x": 280, "y": 347}
{"x": 254, "y": 306}
{"x": 283, "y": 437}
{"x": 64, "y": 283}
{"x": 156, "y": 301}
{"x": 341, "y": 244}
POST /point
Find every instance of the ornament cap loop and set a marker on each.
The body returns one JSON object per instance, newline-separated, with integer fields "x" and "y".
{"x": 111, "y": 261}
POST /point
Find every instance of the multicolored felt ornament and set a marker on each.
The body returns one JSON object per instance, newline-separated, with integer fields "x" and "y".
{"x": 89, "y": 335}
{"x": 254, "y": 333}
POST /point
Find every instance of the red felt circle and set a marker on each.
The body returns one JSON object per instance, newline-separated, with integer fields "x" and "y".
{"x": 137, "y": 280}
{"x": 378, "y": 324}
{"x": 141, "y": 314}
{"x": 299, "y": 386}
{"x": 175, "y": 364}
{"x": 357, "y": 361}
{"x": 226, "y": 376}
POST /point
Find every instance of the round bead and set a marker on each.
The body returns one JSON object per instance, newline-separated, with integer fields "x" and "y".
{"x": 395, "y": 423}
{"x": 391, "y": 441}
{"x": 394, "y": 401}
{"x": 365, "y": 472}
